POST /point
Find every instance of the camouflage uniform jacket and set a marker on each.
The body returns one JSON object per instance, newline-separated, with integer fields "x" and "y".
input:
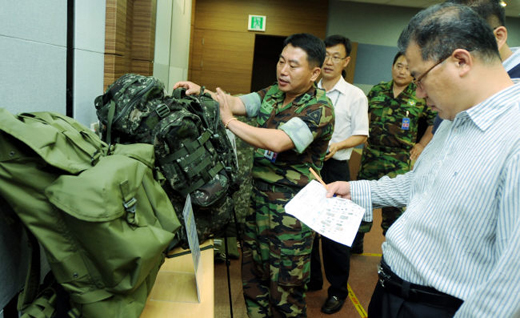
{"x": 291, "y": 167}
{"x": 393, "y": 131}
{"x": 387, "y": 113}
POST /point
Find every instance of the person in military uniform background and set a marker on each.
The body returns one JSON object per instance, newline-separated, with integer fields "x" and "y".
{"x": 391, "y": 147}
{"x": 295, "y": 121}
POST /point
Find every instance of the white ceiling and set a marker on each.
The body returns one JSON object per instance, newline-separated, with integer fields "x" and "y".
{"x": 512, "y": 8}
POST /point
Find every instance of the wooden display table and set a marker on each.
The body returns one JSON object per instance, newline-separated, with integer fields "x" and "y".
{"x": 175, "y": 293}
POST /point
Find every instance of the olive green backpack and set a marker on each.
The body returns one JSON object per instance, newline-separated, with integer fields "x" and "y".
{"x": 98, "y": 211}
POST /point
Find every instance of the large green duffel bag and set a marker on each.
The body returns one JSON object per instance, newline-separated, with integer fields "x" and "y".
{"x": 103, "y": 219}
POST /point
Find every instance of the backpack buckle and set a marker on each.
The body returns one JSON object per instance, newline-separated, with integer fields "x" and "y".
{"x": 130, "y": 205}
{"x": 162, "y": 110}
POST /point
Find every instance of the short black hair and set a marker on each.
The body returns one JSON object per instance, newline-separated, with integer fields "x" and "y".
{"x": 312, "y": 45}
{"x": 490, "y": 10}
{"x": 398, "y": 55}
{"x": 441, "y": 29}
{"x": 338, "y": 39}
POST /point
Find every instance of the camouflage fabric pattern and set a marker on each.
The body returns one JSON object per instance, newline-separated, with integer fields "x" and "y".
{"x": 376, "y": 164}
{"x": 208, "y": 111}
{"x": 387, "y": 113}
{"x": 242, "y": 196}
{"x": 388, "y": 146}
{"x": 131, "y": 94}
{"x": 291, "y": 168}
{"x": 187, "y": 158}
{"x": 192, "y": 150}
{"x": 276, "y": 246}
{"x": 275, "y": 257}
{"x": 210, "y": 222}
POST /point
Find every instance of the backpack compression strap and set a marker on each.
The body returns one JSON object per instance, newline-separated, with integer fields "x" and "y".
{"x": 191, "y": 152}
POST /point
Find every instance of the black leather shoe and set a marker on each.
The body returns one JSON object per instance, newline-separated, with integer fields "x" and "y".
{"x": 332, "y": 304}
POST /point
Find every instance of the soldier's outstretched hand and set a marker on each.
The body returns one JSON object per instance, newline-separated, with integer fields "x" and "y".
{"x": 226, "y": 112}
{"x": 191, "y": 88}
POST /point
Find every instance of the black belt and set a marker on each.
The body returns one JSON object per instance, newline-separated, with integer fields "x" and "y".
{"x": 412, "y": 292}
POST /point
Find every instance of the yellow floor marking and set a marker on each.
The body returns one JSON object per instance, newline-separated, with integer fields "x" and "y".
{"x": 371, "y": 254}
{"x": 356, "y": 303}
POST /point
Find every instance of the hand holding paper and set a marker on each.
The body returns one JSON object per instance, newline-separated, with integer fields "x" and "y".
{"x": 335, "y": 218}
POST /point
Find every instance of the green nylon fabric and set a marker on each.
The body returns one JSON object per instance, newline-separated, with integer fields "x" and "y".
{"x": 70, "y": 190}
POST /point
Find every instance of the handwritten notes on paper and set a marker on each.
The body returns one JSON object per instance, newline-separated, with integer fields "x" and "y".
{"x": 336, "y": 218}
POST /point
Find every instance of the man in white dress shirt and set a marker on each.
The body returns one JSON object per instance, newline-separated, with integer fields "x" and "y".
{"x": 350, "y": 130}
{"x": 455, "y": 250}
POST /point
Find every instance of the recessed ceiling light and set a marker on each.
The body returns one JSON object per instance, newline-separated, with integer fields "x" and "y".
{"x": 503, "y": 3}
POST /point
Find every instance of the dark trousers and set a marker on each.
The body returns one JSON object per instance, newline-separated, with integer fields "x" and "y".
{"x": 395, "y": 298}
{"x": 336, "y": 256}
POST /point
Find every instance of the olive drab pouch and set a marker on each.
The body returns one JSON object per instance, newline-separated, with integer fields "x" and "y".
{"x": 102, "y": 218}
{"x": 191, "y": 146}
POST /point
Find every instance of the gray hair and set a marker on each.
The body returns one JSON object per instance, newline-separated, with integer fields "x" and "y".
{"x": 441, "y": 29}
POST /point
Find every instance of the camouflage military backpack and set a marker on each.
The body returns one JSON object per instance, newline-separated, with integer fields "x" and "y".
{"x": 191, "y": 146}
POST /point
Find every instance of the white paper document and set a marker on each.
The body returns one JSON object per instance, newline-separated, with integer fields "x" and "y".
{"x": 336, "y": 218}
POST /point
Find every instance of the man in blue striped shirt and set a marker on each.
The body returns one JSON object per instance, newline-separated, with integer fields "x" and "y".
{"x": 494, "y": 13}
{"x": 456, "y": 249}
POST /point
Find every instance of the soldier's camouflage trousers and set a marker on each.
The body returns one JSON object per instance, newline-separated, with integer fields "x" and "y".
{"x": 275, "y": 256}
{"x": 376, "y": 163}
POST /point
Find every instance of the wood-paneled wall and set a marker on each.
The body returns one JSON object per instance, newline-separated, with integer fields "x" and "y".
{"x": 129, "y": 38}
{"x": 222, "y": 48}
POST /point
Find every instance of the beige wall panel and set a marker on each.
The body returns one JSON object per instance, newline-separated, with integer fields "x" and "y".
{"x": 115, "y": 67}
{"x": 222, "y": 48}
{"x": 231, "y": 82}
{"x": 129, "y": 38}
{"x": 141, "y": 67}
{"x": 195, "y": 76}
{"x": 283, "y": 17}
{"x": 224, "y": 59}
{"x": 143, "y": 35}
{"x": 196, "y": 50}
{"x": 129, "y": 34}
{"x": 115, "y": 26}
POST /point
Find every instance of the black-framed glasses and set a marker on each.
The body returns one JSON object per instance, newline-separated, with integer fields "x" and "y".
{"x": 335, "y": 59}
{"x": 417, "y": 81}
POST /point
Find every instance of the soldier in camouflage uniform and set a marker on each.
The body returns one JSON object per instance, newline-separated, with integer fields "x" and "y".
{"x": 391, "y": 147}
{"x": 295, "y": 121}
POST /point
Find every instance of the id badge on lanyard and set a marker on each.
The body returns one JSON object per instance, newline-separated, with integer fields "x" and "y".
{"x": 405, "y": 124}
{"x": 270, "y": 155}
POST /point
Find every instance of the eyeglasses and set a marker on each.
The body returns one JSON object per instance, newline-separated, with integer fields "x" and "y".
{"x": 417, "y": 81}
{"x": 335, "y": 59}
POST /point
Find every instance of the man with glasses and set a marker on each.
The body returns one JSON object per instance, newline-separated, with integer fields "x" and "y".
{"x": 494, "y": 13}
{"x": 350, "y": 129}
{"x": 454, "y": 251}
{"x": 395, "y": 112}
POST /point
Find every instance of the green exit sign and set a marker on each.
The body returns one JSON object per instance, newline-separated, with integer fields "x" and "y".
{"x": 256, "y": 23}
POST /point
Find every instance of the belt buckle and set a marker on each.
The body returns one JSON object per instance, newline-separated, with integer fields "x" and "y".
{"x": 382, "y": 275}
